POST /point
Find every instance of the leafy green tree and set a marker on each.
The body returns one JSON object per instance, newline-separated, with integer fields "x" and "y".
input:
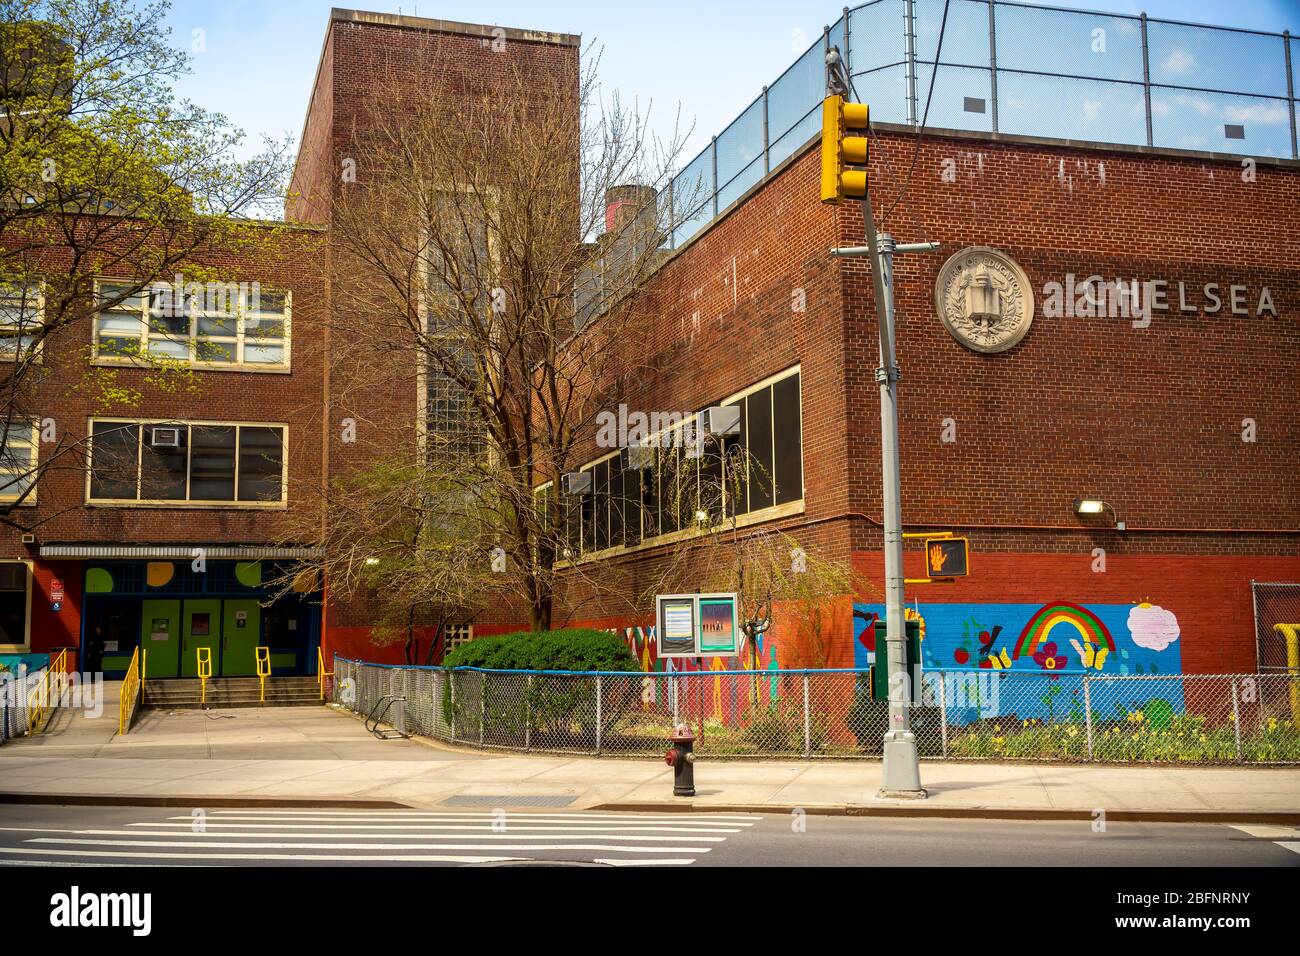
{"x": 104, "y": 171}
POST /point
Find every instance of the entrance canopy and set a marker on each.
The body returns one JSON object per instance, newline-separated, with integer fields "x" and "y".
{"x": 177, "y": 552}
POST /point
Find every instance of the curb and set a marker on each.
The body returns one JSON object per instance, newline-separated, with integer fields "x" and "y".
{"x": 1278, "y": 817}
{"x": 142, "y": 800}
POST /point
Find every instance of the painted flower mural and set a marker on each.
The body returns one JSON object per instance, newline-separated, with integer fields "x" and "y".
{"x": 1047, "y": 658}
{"x": 1152, "y": 627}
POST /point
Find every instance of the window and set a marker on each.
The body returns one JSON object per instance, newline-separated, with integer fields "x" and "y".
{"x": 749, "y": 473}
{"x": 187, "y": 463}
{"x": 18, "y": 447}
{"x": 459, "y": 265}
{"x": 217, "y": 325}
{"x": 768, "y": 455}
{"x": 22, "y": 308}
{"x": 454, "y": 635}
{"x": 15, "y": 577}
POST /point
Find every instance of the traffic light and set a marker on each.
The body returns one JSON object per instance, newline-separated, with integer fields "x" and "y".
{"x": 840, "y": 151}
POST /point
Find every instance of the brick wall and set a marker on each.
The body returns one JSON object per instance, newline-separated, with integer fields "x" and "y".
{"x": 285, "y": 259}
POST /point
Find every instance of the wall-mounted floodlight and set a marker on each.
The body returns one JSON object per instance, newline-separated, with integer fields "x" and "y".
{"x": 1095, "y": 506}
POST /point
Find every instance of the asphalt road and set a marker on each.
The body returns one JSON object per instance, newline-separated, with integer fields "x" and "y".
{"x": 159, "y": 836}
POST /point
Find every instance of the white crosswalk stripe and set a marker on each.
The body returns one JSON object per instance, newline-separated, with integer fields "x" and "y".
{"x": 1288, "y": 838}
{"x": 411, "y": 837}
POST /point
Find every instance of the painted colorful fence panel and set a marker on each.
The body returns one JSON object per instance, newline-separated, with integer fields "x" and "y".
{"x": 726, "y": 701}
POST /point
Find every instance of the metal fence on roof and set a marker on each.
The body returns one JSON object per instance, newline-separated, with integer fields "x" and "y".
{"x": 1008, "y": 67}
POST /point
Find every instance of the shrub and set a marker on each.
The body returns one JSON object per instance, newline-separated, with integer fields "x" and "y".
{"x": 569, "y": 649}
{"x": 558, "y": 709}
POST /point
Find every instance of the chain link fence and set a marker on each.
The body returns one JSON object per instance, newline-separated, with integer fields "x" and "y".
{"x": 1277, "y": 625}
{"x": 1200, "y": 718}
{"x": 1006, "y": 67}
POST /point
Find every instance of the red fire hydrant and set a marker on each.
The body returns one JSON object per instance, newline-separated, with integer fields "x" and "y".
{"x": 682, "y": 759}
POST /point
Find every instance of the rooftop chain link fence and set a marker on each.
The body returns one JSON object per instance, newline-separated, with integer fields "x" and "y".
{"x": 1009, "y": 68}
{"x": 1241, "y": 718}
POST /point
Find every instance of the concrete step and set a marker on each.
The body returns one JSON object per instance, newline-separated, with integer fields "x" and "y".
{"x": 183, "y": 693}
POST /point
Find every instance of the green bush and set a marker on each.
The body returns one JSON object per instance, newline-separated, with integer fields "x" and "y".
{"x": 569, "y": 649}
{"x": 556, "y": 710}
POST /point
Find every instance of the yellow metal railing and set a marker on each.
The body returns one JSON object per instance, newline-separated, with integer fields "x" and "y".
{"x": 1291, "y": 634}
{"x": 321, "y": 672}
{"x": 132, "y": 691}
{"x": 47, "y": 692}
{"x": 263, "y": 668}
{"x": 204, "y": 660}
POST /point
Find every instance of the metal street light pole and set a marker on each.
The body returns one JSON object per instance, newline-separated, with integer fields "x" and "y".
{"x": 902, "y": 772}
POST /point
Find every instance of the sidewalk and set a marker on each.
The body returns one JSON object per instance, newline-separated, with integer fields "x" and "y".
{"x": 315, "y": 755}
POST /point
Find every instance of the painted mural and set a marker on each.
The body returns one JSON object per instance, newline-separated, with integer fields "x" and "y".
{"x": 1047, "y": 641}
{"x": 723, "y": 700}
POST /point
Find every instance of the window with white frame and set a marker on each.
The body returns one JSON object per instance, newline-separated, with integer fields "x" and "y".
{"x": 22, "y": 311}
{"x": 200, "y": 463}
{"x": 217, "y": 325}
{"x": 763, "y": 464}
{"x": 18, "y": 452}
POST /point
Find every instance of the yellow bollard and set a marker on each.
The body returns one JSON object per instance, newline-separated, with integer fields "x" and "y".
{"x": 204, "y": 661}
{"x": 1291, "y": 634}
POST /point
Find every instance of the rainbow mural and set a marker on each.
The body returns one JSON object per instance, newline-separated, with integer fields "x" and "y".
{"x": 1074, "y": 616}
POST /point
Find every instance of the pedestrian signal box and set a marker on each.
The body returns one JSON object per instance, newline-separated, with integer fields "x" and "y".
{"x": 947, "y": 557}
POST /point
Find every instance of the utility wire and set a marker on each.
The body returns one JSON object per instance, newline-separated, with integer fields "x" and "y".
{"x": 916, "y": 152}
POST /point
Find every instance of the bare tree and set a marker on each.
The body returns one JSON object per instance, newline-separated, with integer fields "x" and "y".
{"x": 490, "y": 258}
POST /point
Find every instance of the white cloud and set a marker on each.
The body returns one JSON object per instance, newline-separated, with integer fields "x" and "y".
{"x": 1178, "y": 62}
{"x": 1153, "y": 627}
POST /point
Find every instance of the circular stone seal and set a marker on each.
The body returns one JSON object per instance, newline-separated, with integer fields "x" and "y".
{"x": 984, "y": 299}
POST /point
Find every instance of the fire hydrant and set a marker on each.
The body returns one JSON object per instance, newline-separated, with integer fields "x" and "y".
{"x": 682, "y": 760}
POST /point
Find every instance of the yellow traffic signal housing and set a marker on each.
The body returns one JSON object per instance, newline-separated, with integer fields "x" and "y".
{"x": 840, "y": 151}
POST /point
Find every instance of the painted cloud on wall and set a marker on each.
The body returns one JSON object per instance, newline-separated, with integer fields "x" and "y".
{"x": 1152, "y": 627}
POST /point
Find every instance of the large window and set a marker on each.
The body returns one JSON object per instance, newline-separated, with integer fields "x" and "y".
{"x": 220, "y": 325}
{"x": 18, "y": 447}
{"x": 15, "y": 599}
{"x": 178, "y": 463}
{"x": 21, "y": 314}
{"x": 461, "y": 308}
{"x": 755, "y": 474}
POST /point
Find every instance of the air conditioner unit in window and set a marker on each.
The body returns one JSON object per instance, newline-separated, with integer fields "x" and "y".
{"x": 638, "y": 458}
{"x": 577, "y": 484}
{"x": 722, "y": 420}
{"x": 165, "y": 437}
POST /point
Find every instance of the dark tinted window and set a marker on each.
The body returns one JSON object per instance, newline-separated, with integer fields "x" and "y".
{"x": 788, "y": 460}
{"x": 163, "y": 469}
{"x": 212, "y": 463}
{"x": 261, "y": 463}
{"x": 114, "y": 460}
{"x": 759, "y": 436}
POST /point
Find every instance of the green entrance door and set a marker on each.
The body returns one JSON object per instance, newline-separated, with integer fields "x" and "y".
{"x": 160, "y": 637}
{"x": 241, "y": 632}
{"x": 202, "y": 628}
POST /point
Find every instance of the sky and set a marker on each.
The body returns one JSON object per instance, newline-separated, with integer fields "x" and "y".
{"x": 711, "y": 58}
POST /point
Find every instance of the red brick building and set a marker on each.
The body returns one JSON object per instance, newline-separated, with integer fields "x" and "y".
{"x": 1017, "y": 397}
